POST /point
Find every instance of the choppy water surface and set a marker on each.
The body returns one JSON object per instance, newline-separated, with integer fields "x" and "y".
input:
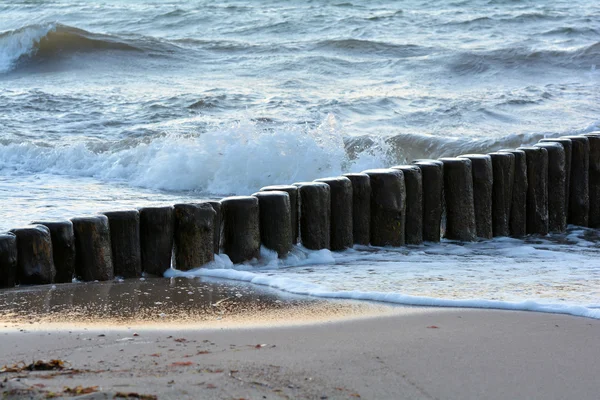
{"x": 121, "y": 103}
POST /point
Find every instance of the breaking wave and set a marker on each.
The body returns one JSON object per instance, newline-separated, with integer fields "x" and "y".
{"x": 48, "y": 41}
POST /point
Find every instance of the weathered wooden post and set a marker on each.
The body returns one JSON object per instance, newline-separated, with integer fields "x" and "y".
{"x": 93, "y": 261}
{"x": 458, "y": 192}
{"x": 194, "y": 235}
{"x": 125, "y": 243}
{"x": 8, "y": 260}
{"x": 241, "y": 228}
{"x": 63, "y": 249}
{"x": 568, "y": 147}
{"x": 340, "y": 192}
{"x": 483, "y": 178}
{"x": 413, "y": 182}
{"x": 292, "y": 192}
{"x": 579, "y": 197}
{"x": 157, "y": 226}
{"x": 557, "y": 210}
{"x": 388, "y": 207}
{"x": 218, "y": 228}
{"x": 518, "y": 205}
{"x": 594, "y": 179}
{"x": 537, "y": 190}
{"x": 503, "y": 165}
{"x": 35, "y": 264}
{"x": 275, "y": 222}
{"x": 361, "y": 207}
{"x": 432, "y": 173}
{"x": 315, "y": 215}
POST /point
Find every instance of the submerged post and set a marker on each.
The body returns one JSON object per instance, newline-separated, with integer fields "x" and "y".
{"x": 93, "y": 261}
{"x": 537, "y": 190}
{"x": 157, "y": 226}
{"x": 340, "y": 191}
{"x": 458, "y": 192}
{"x": 432, "y": 174}
{"x": 292, "y": 192}
{"x": 8, "y": 260}
{"x": 275, "y": 225}
{"x": 315, "y": 215}
{"x": 483, "y": 179}
{"x": 579, "y": 197}
{"x": 361, "y": 207}
{"x": 518, "y": 206}
{"x": 194, "y": 235}
{"x": 63, "y": 249}
{"x": 503, "y": 165}
{"x": 413, "y": 182}
{"x": 388, "y": 207}
{"x": 125, "y": 243}
{"x": 557, "y": 210}
{"x": 241, "y": 228}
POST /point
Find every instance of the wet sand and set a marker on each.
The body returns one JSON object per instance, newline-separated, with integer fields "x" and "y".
{"x": 184, "y": 303}
{"x": 309, "y": 348}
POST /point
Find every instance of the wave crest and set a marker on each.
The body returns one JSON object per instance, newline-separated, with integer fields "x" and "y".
{"x": 48, "y": 41}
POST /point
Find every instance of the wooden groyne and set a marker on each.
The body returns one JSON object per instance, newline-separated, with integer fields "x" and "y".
{"x": 512, "y": 192}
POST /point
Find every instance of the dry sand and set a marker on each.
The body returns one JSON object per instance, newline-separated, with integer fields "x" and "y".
{"x": 403, "y": 353}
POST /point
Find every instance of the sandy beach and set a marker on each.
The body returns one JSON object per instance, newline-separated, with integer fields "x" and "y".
{"x": 322, "y": 350}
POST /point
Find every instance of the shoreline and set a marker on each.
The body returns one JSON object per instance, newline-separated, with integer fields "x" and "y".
{"x": 426, "y": 353}
{"x": 175, "y": 303}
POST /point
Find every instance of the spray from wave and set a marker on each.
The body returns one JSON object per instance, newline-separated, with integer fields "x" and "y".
{"x": 238, "y": 159}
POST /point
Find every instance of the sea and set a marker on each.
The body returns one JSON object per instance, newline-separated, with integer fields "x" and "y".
{"x": 117, "y": 104}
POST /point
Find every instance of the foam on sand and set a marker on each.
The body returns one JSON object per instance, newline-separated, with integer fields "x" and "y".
{"x": 557, "y": 274}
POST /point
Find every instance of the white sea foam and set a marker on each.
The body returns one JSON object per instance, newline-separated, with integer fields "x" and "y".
{"x": 237, "y": 159}
{"x": 21, "y": 42}
{"x": 542, "y": 274}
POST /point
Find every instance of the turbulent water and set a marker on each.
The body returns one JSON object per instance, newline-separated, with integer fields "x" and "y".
{"x": 121, "y": 103}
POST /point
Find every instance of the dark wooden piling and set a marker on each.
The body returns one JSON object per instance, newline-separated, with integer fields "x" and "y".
{"x": 518, "y": 205}
{"x": 503, "y": 165}
{"x": 63, "y": 249}
{"x": 8, "y": 260}
{"x": 361, "y": 207}
{"x": 557, "y": 210}
{"x": 594, "y": 179}
{"x": 432, "y": 174}
{"x": 93, "y": 261}
{"x": 275, "y": 223}
{"x": 193, "y": 235}
{"x": 241, "y": 228}
{"x": 568, "y": 147}
{"x": 537, "y": 190}
{"x": 579, "y": 196}
{"x": 125, "y": 243}
{"x": 157, "y": 227}
{"x": 218, "y": 228}
{"x": 460, "y": 206}
{"x": 292, "y": 192}
{"x": 483, "y": 178}
{"x": 35, "y": 264}
{"x": 340, "y": 192}
{"x": 388, "y": 207}
{"x": 413, "y": 182}
{"x": 315, "y": 215}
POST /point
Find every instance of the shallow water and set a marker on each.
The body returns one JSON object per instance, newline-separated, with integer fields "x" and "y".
{"x": 125, "y": 103}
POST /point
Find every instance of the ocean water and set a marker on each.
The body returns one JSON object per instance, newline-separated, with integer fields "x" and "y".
{"x": 120, "y": 103}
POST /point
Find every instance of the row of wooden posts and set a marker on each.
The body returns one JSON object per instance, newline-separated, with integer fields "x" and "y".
{"x": 516, "y": 192}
